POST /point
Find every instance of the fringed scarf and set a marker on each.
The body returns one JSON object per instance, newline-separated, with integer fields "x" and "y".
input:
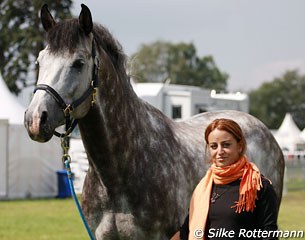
{"x": 249, "y": 185}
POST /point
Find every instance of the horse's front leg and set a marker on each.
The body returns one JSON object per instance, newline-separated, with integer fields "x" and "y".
{"x": 94, "y": 199}
{"x": 105, "y": 223}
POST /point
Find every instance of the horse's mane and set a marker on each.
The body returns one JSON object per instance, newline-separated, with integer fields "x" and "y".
{"x": 67, "y": 34}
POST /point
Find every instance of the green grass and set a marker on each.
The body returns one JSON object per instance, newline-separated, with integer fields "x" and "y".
{"x": 296, "y": 185}
{"x": 40, "y": 219}
{"x": 58, "y": 219}
{"x": 292, "y": 212}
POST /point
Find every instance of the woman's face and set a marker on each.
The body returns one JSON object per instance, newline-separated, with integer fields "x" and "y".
{"x": 224, "y": 149}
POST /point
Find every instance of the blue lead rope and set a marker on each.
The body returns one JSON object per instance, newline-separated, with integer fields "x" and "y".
{"x": 68, "y": 169}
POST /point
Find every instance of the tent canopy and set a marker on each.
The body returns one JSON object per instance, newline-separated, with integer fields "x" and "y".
{"x": 288, "y": 135}
{"x": 10, "y": 108}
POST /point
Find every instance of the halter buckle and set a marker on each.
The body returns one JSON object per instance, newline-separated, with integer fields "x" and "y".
{"x": 68, "y": 110}
{"x": 94, "y": 93}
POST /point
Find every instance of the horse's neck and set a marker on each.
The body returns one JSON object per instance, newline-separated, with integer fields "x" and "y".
{"x": 121, "y": 109}
{"x": 116, "y": 129}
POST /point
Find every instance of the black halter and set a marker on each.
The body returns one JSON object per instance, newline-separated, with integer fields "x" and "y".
{"x": 68, "y": 108}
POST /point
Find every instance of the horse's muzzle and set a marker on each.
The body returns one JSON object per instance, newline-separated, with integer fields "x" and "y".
{"x": 37, "y": 125}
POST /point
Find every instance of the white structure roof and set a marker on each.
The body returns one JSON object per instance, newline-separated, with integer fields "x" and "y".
{"x": 10, "y": 108}
{"x": 183, "y": 101}
{"x": 229, "y": 96}
{"x": 147, "y": 89}
{"x": 288, "y": 135}
{"x": 153, "y": 89}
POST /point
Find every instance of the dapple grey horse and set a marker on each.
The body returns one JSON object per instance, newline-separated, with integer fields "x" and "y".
{"x": 143, "y": 166}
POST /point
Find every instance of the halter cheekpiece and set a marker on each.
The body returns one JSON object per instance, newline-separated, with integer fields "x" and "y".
{"x": 68, "y": 108}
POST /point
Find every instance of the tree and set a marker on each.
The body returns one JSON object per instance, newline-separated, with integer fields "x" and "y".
{"x": 22, "y": 37}
{"x": 273, "y": 100}
{"x": 160, "y": 61}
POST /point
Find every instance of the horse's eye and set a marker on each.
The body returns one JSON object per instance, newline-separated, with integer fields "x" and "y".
{"x": 78, "y": 64}
{"x": 36, "y": 63}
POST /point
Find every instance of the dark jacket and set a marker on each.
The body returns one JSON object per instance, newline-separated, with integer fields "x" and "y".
{"x": 222, "y": 218}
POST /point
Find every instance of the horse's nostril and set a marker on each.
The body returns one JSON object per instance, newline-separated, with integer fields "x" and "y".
{"x": 44, "y": 117}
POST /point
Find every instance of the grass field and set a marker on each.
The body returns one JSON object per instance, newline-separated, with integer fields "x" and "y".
{"x": 292, "y": 212}
{"x": 40, "y": 219}
{"x": 58, "y": 219}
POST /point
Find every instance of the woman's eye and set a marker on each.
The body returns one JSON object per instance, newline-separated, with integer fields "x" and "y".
{"x": 213, "y": 147}
{"x": 78, "y": 64}
{"x": 226, "y": 145}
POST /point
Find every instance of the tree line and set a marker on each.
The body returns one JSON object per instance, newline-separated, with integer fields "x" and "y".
{"x": 178, "y": 63}
{"x": 22, "y": 37}
{"x": 272, "y": 100}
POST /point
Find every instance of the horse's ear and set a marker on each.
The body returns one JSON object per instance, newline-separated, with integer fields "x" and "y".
{"x": 85, "y": 19}
{"x": 47, "y": 20}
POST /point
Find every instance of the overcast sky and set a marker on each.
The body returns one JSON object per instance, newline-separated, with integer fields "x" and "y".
{"x": 251, "y": 40}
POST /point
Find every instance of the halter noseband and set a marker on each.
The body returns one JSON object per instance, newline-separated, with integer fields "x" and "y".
{"x": 68, "y": 108}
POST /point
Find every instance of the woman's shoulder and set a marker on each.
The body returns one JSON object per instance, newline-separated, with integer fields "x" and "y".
{"x": 266, "y": 181}
{"x": 267, "y": 188}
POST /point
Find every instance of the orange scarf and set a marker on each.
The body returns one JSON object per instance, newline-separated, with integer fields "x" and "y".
{"x": 249, "y": 185}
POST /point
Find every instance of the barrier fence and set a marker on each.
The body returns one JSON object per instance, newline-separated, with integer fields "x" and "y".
{"x": 295, "y": 171}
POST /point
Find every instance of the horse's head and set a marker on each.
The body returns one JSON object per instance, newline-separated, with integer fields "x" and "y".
{"x": 66, "y": 68}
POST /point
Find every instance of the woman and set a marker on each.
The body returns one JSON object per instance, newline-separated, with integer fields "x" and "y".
{"x": 233, "y": 200}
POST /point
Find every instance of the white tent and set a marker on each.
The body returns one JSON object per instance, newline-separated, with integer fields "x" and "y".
{"x": 302, "y": 135}
{"x": 9, "y": 107}
{"x": 288, "y": 135}
{"x": 27, "y": 168}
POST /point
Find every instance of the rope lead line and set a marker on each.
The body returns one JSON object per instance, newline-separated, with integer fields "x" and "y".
{"x": 68, "y": 169}
{"x": 66, "y": 160}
